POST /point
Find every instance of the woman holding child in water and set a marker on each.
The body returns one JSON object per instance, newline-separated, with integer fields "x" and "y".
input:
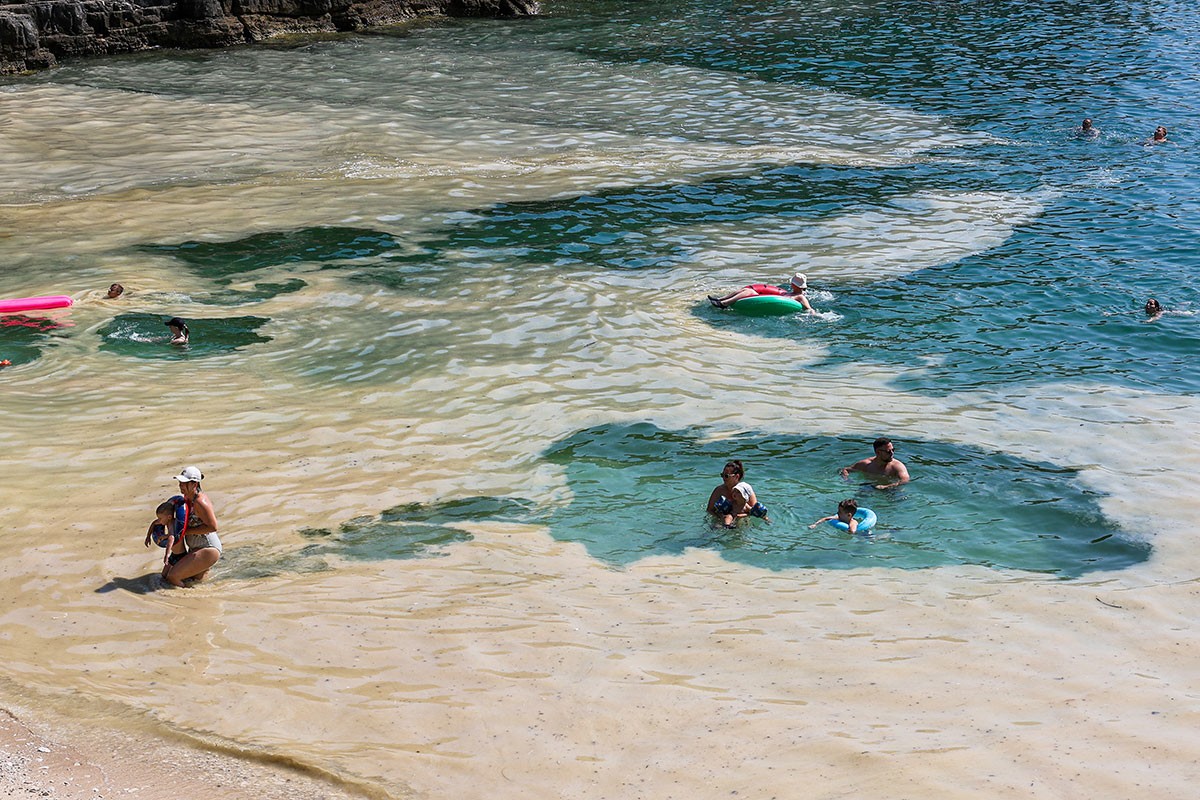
{"x": 200, "y": 536}
{"x": 734, "y": 499}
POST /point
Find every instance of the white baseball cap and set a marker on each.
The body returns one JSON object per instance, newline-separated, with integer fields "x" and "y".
{"x": 189, "y": 475}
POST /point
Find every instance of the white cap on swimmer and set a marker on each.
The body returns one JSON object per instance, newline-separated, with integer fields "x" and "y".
{"x": 189, "y": 475}
{"x": 799, "y": 280}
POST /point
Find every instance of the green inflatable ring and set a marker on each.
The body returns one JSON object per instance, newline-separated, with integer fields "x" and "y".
{"x": 767, "y": 305}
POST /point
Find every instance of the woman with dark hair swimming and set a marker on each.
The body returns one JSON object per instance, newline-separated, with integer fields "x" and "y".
{"x": 179, "y": 330}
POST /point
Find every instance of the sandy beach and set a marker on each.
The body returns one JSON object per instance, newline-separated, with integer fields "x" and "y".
{"x": 46, "y": 755}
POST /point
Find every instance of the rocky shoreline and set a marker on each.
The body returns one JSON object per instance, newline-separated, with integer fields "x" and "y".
{"x": 37, "y": 35}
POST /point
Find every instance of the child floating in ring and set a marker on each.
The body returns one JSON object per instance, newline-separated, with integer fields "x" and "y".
{"x": 845, "y": 515}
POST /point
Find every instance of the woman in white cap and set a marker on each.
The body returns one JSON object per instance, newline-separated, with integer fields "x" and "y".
{"x": 200, "y": 535}
{"x": 796, "y": 290}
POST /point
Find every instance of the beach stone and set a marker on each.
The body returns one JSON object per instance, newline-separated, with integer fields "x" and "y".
{"x": 37, "y": 35}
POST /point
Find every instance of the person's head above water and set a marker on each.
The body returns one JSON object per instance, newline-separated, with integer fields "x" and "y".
{"x": 114, "y": 291}
{"x": 1160, "y": 134}
{"x": 179, "y": 330}
{"x": 733, "y": 469}
{"x": 1153, "y": 306}
{"x": 884, "y": 448}
{"x": 848, "y": 507}
{"x": 1086, "y": 125}
{"x": 799, "y": 282}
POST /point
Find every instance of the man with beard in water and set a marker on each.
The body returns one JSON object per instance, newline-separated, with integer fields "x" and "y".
{"x": 883, "y": 463}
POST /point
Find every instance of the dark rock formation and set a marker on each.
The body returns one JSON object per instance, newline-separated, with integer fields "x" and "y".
{"x": 34, "y": 35}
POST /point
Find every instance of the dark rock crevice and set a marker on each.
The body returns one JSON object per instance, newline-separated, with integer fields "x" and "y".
{"x": 36, "y": 35}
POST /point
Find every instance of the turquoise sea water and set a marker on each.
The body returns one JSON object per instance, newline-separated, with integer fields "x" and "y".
{"x": 460, "y": 400}
{"x": 1058, "y": 299}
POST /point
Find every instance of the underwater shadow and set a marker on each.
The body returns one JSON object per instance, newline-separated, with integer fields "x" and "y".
{"x": 413, "y": 530}
{"x": 222, "y": 262}
{"x": 146, "y": 336}
{"x": 22, "y": 337}
{"x": 640, "y": 491}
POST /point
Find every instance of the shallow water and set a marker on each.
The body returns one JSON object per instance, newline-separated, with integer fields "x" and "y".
{"x": 460, "y": 400}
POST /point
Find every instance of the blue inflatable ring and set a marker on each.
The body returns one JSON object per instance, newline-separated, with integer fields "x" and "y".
{"x": 866, "y": 521}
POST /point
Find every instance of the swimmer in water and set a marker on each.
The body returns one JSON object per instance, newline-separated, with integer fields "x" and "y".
{"x": 1154, "y": 310}
{"x": 179, "y": 330}
{"x": 797, "y": 288}
{"x": 884, "y": 464}
{"x": 115, "y": 291}
{"x": 1160, "y": 135}
{"x": 1087, "y": 130}
{"x": 845, "y": 514}
{"x": 734, "y": 499}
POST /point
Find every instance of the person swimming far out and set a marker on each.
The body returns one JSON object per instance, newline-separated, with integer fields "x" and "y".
{"x": 797, "y": 290}
{"x": 1159, "y": 136}
{"x": 115, "y": 291}
{"x": 1154, "y": 310}
{"x": 1087, "y": 130}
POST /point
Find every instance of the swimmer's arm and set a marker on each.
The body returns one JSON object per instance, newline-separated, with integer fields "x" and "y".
{"x": 852, "y": 525}
{"x": 822, "y": 519}
{"x": 901, "y": 475}
{"x": 803, "y": 298}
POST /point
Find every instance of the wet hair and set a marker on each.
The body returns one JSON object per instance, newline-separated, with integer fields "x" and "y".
{"x": 849, "y": 505}
{"x": 116, "y": 290}
{"x": 1153, "y": 306}
{"x": 882, "y": 441}
{"x": 735, "y": 466}
{"x": 176, "y": 322}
